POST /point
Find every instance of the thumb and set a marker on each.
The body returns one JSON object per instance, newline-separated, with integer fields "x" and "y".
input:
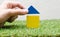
{"x": 18, "y": 11}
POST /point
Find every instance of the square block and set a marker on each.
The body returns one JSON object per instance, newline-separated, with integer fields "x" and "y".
{"x": 33, "y": 21}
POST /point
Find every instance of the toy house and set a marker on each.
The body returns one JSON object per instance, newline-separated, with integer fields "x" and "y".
{"x": 33, "y": 18}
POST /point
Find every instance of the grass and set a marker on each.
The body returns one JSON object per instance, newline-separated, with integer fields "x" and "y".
{"x": 18, "y": 29}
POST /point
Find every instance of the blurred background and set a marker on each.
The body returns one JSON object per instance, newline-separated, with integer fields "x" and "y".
{"x": 49, "y": 9}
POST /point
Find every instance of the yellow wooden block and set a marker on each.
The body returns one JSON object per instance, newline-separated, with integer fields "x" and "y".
{"x": 33, "y": 21}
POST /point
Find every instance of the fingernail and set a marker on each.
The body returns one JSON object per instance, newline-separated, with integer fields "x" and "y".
{"x": 26, "y": 10}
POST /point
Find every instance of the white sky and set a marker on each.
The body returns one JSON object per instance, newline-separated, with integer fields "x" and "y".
{"x": 49, "y": 9}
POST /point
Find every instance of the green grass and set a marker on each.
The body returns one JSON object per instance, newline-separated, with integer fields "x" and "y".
{"x": 19, "y": 29}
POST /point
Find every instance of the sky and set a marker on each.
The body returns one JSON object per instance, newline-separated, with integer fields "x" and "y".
{"x": 49, "y": 9}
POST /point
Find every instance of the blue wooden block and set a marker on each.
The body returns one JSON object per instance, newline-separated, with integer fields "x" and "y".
{"x": 32, "y": 10}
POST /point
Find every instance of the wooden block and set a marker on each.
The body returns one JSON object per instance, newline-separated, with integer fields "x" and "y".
{"x": 33, "y": 21}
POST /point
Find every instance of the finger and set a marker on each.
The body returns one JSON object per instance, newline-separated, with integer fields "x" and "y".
{"x": 12, "y": 18}
{"x": 18, "y": 5}
{"x": 9, "y": 5}
{"x": 13, "y": 5}
{"x": 18, "y": 11}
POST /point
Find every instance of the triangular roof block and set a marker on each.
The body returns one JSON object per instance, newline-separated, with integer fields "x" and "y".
{"x": 32, "y": 10}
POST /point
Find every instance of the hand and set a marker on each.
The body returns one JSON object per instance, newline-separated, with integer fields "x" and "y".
{"x": 9, "y": 11}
